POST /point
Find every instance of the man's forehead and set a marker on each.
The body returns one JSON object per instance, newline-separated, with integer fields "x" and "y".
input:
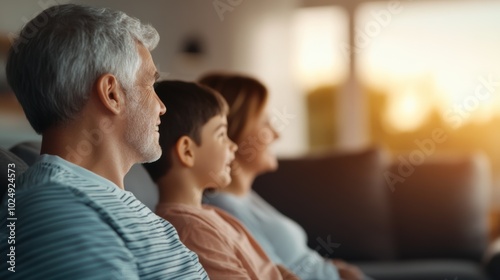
{"x": 148, "y": 65}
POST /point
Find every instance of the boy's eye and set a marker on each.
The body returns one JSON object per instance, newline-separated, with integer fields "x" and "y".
{"x": 223, "y": 133}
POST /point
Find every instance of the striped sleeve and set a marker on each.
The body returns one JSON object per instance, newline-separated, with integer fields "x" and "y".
{"x": 58, "y": 237}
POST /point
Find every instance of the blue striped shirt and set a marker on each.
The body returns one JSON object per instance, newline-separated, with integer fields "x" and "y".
{"x": 73, "y": 224}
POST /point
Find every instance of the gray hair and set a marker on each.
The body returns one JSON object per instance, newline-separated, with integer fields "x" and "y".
{"x": 59, "y": 55}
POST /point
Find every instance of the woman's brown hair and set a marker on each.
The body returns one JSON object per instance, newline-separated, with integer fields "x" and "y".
{"x": 245, "y": 96}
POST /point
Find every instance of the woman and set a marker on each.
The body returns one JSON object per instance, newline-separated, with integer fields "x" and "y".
{"x": 249, "y": 126}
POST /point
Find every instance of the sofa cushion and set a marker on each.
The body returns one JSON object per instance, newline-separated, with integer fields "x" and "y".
{"x": 440, "y": 208}
{"x": 339, "y": 199}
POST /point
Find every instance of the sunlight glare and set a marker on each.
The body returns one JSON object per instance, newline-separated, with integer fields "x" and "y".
{"x": 406, "y": 111}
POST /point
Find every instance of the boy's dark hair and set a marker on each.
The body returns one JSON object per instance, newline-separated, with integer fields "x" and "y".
{"x": 189, "y": 107}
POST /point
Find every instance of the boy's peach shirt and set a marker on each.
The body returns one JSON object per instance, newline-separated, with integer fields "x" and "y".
{"x": 225, "y": 248}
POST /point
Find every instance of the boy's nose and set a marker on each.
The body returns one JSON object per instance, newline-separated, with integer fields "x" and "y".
{"x": 275, "y": 133}
{"x": 233, "y": 146}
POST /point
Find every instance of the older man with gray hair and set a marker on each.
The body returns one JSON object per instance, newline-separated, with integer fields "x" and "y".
{"x": 84, "y": 77}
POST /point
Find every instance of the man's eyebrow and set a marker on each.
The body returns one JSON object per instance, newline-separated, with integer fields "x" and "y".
{"x": 157, "y": 76}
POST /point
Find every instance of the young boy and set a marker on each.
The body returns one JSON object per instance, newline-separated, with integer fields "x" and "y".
{"x": 197, "y": 156}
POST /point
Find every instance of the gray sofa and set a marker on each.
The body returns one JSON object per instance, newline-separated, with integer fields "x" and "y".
{"x": 396, "y": 219}
{"x": 431, "y": 224}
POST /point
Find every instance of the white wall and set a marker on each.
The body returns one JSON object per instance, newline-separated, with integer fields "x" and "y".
{"x": 14, "y": 14}
{"x": 262, "y": 47}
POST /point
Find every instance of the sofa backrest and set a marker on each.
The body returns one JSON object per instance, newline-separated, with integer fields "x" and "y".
{"x": 10, "y": 164}
{"x": 337, "y": 198}
{"x": 437, "y": 208}
{"x": 440, "y": 206}
{"x": 28, "y": 151}
{"x": 140, "y": 184}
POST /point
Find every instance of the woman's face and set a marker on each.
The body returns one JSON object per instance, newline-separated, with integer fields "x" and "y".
{"x": 254, "y": 154}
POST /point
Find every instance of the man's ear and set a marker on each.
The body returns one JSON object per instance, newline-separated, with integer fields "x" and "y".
{"x": 110, "y": 93}
{"x": 184, "y": 150}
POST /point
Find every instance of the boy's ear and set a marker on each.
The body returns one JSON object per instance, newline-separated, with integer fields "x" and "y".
{"x": 184, "y": 151}
{"x": 110, "y": 93}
